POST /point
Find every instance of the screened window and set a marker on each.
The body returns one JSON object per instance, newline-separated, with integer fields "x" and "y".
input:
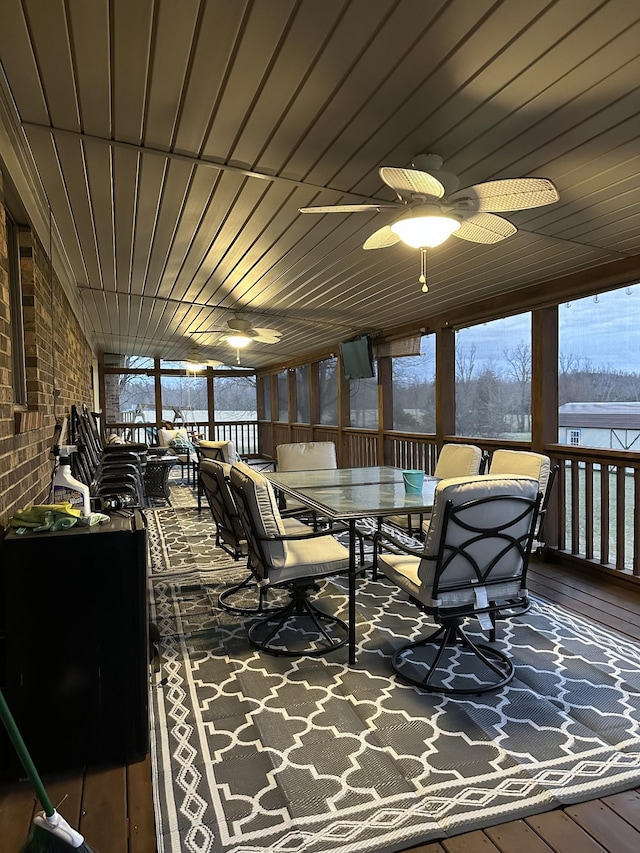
{"x": 283, "y": 397}
{"x": 184, "y": 401}
{"x": 599, "y": 370}
{"x": 493, "y": 379}
{"x": 328, "y": 391}
{"x": 414, "y": 389}
{"x": 363, "y": 402}
{"x": 130, "y": 397}
{"x": 235, "y": 398}
{"x": 302, "y": 395}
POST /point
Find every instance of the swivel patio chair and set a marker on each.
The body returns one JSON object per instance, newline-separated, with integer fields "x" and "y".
{"x": 531, "y": 465}
{"x": 310, "y": 456}
{"x": 293, "y": 561}
{"x": 475, "y": 557}
{"x": 219, "y": 451}
{"x": 231, "y": 538}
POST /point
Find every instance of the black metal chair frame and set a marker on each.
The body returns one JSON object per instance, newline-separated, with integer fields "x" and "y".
{"x": 262, "y": 632}
{"x": 498, "y": 667}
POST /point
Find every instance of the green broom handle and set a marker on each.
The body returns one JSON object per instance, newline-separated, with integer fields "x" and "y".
{"x": 16, "y": 739}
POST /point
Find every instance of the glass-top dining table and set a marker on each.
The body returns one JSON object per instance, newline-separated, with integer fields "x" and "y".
{"x": 349, "y": 494}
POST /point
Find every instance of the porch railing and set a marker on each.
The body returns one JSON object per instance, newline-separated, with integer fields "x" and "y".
{"x": 595, "y": 504}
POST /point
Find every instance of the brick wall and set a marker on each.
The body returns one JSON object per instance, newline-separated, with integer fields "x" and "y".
{"x": 55, "y": 351}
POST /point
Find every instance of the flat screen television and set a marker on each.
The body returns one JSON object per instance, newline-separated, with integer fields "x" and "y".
{"x": 357, "y": 359}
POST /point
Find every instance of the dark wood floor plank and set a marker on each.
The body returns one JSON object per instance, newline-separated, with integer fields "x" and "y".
{"x": 142, "y": 836}
{"x": 627, "y": 805}
{"x": 104, "y": 821}
{"x": 115, "y": 808}
{"x": 608, "y": 828}
{"x": 16, "y": 809}
{"x": 612, "y": 597}
{"x": 563, "y": 834}
{"x": 517, "y": 835}
{"x": 470, "y": 842}
{"x": 65, "y": 792}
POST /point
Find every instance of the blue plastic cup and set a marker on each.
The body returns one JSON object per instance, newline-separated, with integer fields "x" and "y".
{"x": 413, "y": 480}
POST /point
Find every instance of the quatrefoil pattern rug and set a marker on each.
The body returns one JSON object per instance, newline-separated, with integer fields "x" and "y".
{"x": 311, "y": 755}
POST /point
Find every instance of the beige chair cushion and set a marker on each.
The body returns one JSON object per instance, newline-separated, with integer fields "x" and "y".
{"x": 455, "y": 460}
{"x": 166, "y": 436}
{"x": 306, "y": 456}
{"x": 458, "y": 460}
{"x": 211, "y": 449}
{"x": 415, "y": 573}
{"x": 286, "y": 560}
{"x": 522, "y": 462}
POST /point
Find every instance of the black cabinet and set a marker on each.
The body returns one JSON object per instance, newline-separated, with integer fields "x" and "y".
{"x": 75, "y": 662}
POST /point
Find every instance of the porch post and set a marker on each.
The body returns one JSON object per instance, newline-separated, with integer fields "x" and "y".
{"x": 544, "y": 399}
{"x": 445, "y": 384}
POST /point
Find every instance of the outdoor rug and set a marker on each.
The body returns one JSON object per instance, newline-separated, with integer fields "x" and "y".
{"x": 309, "y": 755}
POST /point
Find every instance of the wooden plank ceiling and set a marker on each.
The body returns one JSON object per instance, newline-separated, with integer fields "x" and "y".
{"x": 175, "y": 141}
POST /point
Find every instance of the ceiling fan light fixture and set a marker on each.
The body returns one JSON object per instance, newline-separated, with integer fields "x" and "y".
{"x": 237, "y": 341}
{"x": 194, "y": 366}
{"x": 425, "y": 227}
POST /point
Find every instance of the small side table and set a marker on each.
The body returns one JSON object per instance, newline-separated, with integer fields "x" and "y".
{"x": 156, "y": 477}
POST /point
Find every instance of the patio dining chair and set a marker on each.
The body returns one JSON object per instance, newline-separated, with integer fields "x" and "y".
{"x": 531, "y": 465}
{"x": 295, "y": 562}
{"x": 244, "y": 597}
{"x": 474, "y": 559}
{"x": 454, "y": 460}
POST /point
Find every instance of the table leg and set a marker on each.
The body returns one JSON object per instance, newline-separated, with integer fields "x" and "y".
{"x": 352, "y": 590}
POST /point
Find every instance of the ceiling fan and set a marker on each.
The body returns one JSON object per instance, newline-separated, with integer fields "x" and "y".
{"x": 433, "y": 208}
{"x": 240, "y": 332}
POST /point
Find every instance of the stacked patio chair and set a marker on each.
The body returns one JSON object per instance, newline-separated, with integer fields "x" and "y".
{"x": 112, "y": 471}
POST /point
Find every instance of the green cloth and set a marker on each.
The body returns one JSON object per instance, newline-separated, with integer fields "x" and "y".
{"x": 41, "y": 517}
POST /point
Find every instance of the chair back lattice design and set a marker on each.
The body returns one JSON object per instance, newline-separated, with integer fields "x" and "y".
{"x": 214, "y": 477}
{"x": 306, "y": 456}
{"x": 479, "y": 542}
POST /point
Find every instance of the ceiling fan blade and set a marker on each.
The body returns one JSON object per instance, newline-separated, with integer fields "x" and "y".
{"x": 507, "y": 194}
{"x": 381, "y": 238}
{"x": 485, "y": 228}
{"x": 411, "y": 181}
{"x": 267, "y": 339}
{"x": 348, "y": 208}
{"x": 268, "y": 333}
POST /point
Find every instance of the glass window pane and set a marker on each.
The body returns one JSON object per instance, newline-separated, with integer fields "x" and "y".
{"x": 283, "y": 397}
{"x": 599, "y": 371}
{"x": 363, "y": 402}
{"x": 235, "y": 398}
{"x": 129, "y": 398}
{"x": 493, "y": 379}
{"x": 414, "y": 389}
{"x": 184, "y": 401}
{"x": 302, "y": 395}
{"x": 328, "y": 391}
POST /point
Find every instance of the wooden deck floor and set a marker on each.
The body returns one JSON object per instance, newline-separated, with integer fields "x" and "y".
{"x": 113, "y": 807}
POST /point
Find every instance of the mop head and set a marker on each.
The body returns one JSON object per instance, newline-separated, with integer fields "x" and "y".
{"x": 53, "y": 835}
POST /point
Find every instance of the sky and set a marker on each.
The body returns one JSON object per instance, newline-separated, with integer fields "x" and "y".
{"x": 604, "y": 330}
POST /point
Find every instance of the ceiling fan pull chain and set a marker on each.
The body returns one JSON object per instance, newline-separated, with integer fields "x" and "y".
{"x": 423, "y": 270}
